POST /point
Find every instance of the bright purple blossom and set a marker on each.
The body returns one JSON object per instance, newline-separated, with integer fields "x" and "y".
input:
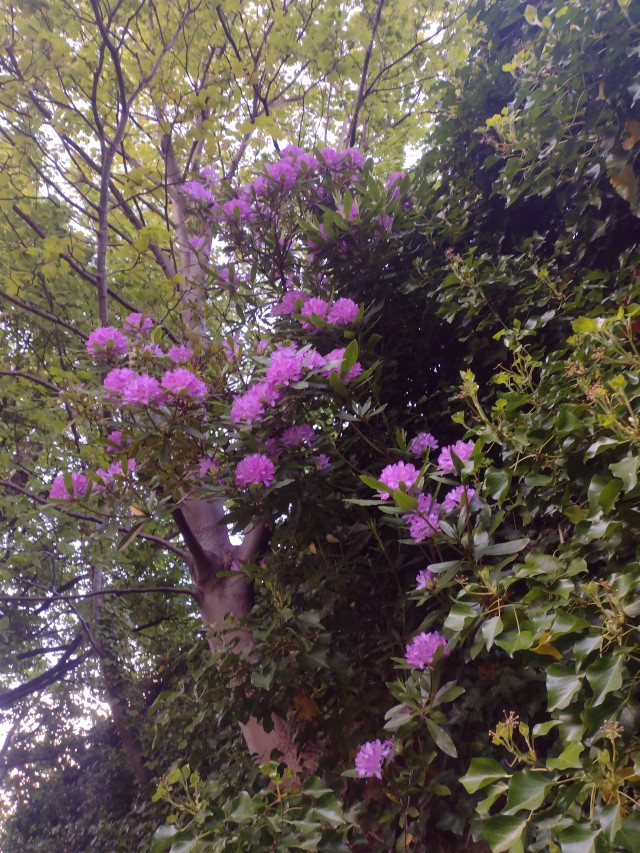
{"x": 421, "y": 651}
{"x": 425, "y": 579}
{"x": 238, "y": 210}
{"x": 336, "y": 355}
{"x": 114, "y": 441}
{"x": 314, "y": 305}
{"x": 312, "y": 360}
{"x": 183, "y": 383}
{"x": 285, "y": 366}
{"x": 250, "y": 406}
{"x": 283, "y": 172}
{"x": 206, "y": 464}
{"x": 137, "y": 323}
{"x": 287, "y": 305}
{"x": 394, "y": 475}
{"x": 179, "y": 355}
{"x": 424, "y": 520}
{"x": 154, "y": 350}
{"x": 343, "y": 311}
{"x": 462, "y": 449}
{"x": 370, "y": 756}
{"x": 393, "y": 184}
{"x": 106, "y": 341}
{"x": 117, "y": 380}
{"x": 143, "y": 390}
{"x": 421, "y": 443}
{"x": 298, "y": 434}
{"x": 115, "y": 470}
{"x": 59, "y": 489}
{"x": 322, "y": 461}
{"x": 197, "y": 191}
{"x": 353, "y": 157}
{"x": 452, "y": 499}
{"x": 255, "y": 468}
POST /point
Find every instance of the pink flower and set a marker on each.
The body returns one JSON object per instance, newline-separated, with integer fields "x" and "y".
{"x": 197, "y": 191}
{"x": 394, "y": 475}
{"x": 452, "y": 499}
{"x": 196, "y": 243}
{"x": 255, "y": 468}
{"x": 423, "y": 521}
{"x": 312, "y": 360}
{"x": 116, "y": 381}
{"x": 285, "y": 366}
{"x": 282, "y": 172}
{"x": 116, "y": 470}
{"x": 180, "y": 355}
{"x": 421, "y": 443}
{"x": 336, "y": 355}
{"x": 313, "y": 305}
{"x": 462, "y": 449}
{"x": 238, "y": 210}
{"x": 287, "y": 305}
{"x": 299, "y": 434}
{"x": 425, "y": 579}
{"x": 106, "y": 341}
{"x": 153, "y": 350}
{"x": 421, "y": 651}
{"x": 342, "y": 312}
{"x": 206, "y": 464}
{"x": 183, "y": 383}
{"x": 250, "y": 406}
{"x": 370, "y": 756}
{"x": 143, "y": 391}
{"x": 114, "y": 441}
{"x": 138, "y": 324}
{"x": 59, "y": 490}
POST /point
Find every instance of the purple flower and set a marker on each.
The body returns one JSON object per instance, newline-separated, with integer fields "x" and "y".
{"x": 425, "y": 579}
{"x": 423, "y": 521}
{"x": 206, "y": 464}
{"x": 393, "y": 184}
{"x": 255, "y": 468}
{"x": 313, "y": 305}
{"x": 238, "y": 210}
{"x": 210, "y": 175}
{"x": 180, "y": 355}
{"x": 322, "y": 461}
{"x": 394, "y": 475}
{"x": 421, "y": 651}
{"x": 370, "y": 756}
{"x": 287, "y": 305}
{"x": 452, "y": 499}
{"x": 285, "y": 366}
{"x": 153, "y": 349}
{"x": 283, "y": 172}
{"x": 336, "y": 355}
{"x": 143, "y": 390}
{"x": 462, "y": 449}
{"x": 59, "y": 490}
{"x": 183, "y": 383}
{"x": 312, "y": 360}
{"x": 342, "y": 312}
{"x": 250, "y": 406}
{"x": 353, "y": 157}
{"x": 116, "y": 470}
{"x": 117, "y": 380}
{"x": 138, "y": 324}
{"x": 106, "y": 341}
{"x": 114, "y": 441}
{"x": 196, "y": 243}
{"x": 421, "y": 443}
{"x": 299, "y": 434}
{"x": 197, "y": 191}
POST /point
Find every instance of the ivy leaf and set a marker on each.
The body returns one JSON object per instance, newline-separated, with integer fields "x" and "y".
{"x": 527, "y": 790}
{"x": 627, "y": 471}
{"x": 503, "y": 833}
{"x": 482, "y": 772}
{"x": 604, "y": 676}
{"x": 562, "y": 687}
{"x": 578, "y": 839}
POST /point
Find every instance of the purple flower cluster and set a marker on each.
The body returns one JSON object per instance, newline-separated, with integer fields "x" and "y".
{"x": 461, "y": 449}
{"x": 137, "y": 324}
{"x": 425, "y": 580}
{"x": 424, "y": 520}
{"x": 421, "y": 651}
{"x": 59, "y": 491}
{"x": 105, "y": 341}
{"x": 394, "y": 475}
{"x": 370, "y": 757}
{"x": 139, "y": 389}
{"x": 255, "y": 469}
{"x": 421, "y": 443}
{"x": 298, "y": 434}
{"x": 453, "y": 498}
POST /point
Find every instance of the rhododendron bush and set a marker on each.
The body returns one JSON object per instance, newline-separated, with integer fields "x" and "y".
{"x": 387, "y": 444}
